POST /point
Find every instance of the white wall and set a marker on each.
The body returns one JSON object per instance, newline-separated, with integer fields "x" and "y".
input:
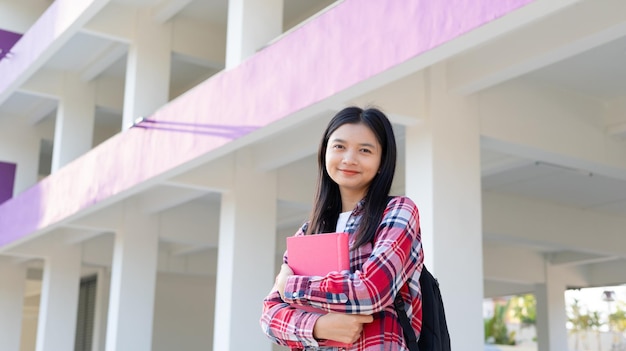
{"x": 29, "y": 329}
{"x": 183, "y": 313}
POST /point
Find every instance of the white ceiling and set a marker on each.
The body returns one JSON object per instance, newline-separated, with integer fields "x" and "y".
{"x": 598, "y": 72}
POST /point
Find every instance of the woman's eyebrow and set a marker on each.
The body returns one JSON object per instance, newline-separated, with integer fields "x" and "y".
{"x": 338, "y": 140}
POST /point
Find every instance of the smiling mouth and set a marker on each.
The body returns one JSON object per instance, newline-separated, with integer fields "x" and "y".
{"x": 348, "y": 172}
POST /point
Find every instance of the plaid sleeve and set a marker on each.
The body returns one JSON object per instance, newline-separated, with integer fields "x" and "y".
{"x": 286, "y": 325}
{"x": 393, "y": 260}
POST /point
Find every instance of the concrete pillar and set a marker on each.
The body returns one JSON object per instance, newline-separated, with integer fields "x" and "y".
{"x": 147, "y": 69}
{"x": 443, "y": 178}
{"x": 245, "y": 268}
{"x": 73, "y": 133}
{"x": 252, "y": 24}
{"x": 551, "y": 311}
{"x": 59, "y": 300}
{"x": 12, "y": 282}
{"x": 133, "y": 279}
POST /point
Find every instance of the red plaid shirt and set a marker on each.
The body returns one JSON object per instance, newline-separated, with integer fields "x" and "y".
{"x": 366, "y": 289}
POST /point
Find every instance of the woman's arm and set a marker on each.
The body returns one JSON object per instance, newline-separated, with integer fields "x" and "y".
{"x": 394, "y": 259}
{"x": 286, "y": 325}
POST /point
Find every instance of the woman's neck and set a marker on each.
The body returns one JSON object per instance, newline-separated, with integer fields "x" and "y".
{"x": 349, "y": 201}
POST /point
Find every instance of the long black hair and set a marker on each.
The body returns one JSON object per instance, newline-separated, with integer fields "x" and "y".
{"x": 327, "y": 202}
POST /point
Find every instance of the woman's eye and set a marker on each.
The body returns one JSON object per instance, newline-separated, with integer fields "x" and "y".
{"x": 367, "y": 151}
{"x": 337, "y": 146}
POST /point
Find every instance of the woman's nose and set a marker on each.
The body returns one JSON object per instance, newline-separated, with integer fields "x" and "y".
{"x": 348, "y": 158}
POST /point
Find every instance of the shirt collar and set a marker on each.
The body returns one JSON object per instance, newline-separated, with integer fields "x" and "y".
{"x": 358, "y": 209}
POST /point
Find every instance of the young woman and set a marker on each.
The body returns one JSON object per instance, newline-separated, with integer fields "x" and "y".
{"x": 357, "y": 159}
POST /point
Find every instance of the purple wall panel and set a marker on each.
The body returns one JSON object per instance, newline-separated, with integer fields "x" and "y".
{"x": 7, "y": 180}
{"x": 7, "y": 40}
{"x": 342, "y": 47}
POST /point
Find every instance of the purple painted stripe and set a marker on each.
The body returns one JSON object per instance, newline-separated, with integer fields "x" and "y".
{"x": 7, "y": 40}
{"x": 7, "y": 180}
{"x": 352, "y": 42}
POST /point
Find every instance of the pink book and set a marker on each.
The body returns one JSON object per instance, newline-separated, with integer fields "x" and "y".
{"x": 317, "y": 255}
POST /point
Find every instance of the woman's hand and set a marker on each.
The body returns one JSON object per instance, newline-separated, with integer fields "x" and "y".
{"x": 281, "y": 279}
{"x": 340, "y": 327}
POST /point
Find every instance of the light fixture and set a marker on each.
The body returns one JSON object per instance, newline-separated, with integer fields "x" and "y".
{"x": 564, "y": 168}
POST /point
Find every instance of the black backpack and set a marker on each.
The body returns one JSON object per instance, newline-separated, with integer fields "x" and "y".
{"x": 434, "y": 335}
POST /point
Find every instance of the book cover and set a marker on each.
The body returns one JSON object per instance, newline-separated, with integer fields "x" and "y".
{"x": 317, "y": 255}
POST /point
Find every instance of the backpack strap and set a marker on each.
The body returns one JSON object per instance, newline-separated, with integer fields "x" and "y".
{"x": 409, "y": 334}
{"x": 407, "y": 329}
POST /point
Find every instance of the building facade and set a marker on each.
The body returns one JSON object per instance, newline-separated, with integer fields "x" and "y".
{"x": 155, "y": 154}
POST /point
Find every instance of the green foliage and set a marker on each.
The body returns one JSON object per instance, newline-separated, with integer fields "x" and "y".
{"x": 618, "y": 318}
{"x": 496, "y": 329}
{"x": 525, "y": 309}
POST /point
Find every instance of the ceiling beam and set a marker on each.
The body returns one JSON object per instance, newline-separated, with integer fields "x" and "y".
{"x": 161, "y": 198}
{"x": 215, "y": 176}
{"x": 512, "y": 219}
{"x": 199, "y": 43}
{"x": 108, "y": 219}
{"x": 197, "y": 61}
{"x": 42, "y": 109}
{"x": 555, "y": 127}
{"x": 167, "y": 9}
{"x": 19, "y": 16}
{"x": 105, "y": 58}
{"x": 503, "y": 165}
{"x": 550, "y": 39}
{"x": 513, "y": 264}
{"x": 293, "y": 145}
{"x": 573, "y": 258}
{"x": 497, "y": 288}
{"x": 607, "y": 273}
{"x": 45, "y": 83}
{"x": 617, "y": 130}
{"x": 115, "y": 22}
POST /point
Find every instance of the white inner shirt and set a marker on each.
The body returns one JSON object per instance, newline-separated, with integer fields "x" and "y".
{"x": 342, "y": 221}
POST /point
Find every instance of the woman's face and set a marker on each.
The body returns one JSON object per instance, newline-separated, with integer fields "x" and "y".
{"x": 353, "y": 157}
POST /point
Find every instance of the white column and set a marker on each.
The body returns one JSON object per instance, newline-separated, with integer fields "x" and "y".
{"x": 73, "y": 133}
{"x": 59, "y": 300}
{"x": 133, "y": 279}
{"x": 551, "y": 311}
{"x": 443, "y": 178}
{"x": 147, "y": 69}
{"x": 12, "y": 283}
{"x": 252, "y": 24}
{"x": 245, "y": 268}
